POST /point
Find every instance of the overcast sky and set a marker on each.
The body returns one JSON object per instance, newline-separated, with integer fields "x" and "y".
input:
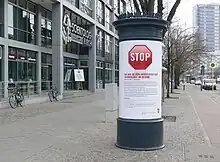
{"x": 184, "y": 12}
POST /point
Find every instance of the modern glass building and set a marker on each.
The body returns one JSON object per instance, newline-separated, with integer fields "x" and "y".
{"x": 43, "y": 41}
{"x": 206, "y": 21}
{"x": 206, "y": 18}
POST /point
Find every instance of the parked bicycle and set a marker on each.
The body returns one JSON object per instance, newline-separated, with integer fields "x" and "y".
{"x": 16, "y": 98}
{"x": 53, "y": 94}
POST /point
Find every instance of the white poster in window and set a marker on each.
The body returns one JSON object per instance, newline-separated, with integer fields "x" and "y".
{"x": 79, "y": 75}
{"x": 67, "y": 76}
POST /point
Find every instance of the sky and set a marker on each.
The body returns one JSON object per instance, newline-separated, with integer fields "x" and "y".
{"x": 184, "y": 11}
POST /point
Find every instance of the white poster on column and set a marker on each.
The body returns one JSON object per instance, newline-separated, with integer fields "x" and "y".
{"x": 79, "y": 75}
{"x": 140, "y": 79}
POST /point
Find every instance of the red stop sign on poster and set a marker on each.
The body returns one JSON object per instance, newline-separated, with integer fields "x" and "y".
{"x": 140, "y": 57}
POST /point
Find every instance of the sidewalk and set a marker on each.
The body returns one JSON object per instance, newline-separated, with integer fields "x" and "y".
{"x": 77, "y": 133}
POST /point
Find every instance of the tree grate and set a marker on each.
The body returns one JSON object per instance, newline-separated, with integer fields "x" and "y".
{"x": 169, "y": 118}
{"x": 207, "y": 156}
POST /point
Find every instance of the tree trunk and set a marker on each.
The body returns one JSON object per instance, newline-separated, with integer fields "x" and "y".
{"x": 176, "y": 78}
{"x": 168, "y": 72}
{"x": 171, "y": 77}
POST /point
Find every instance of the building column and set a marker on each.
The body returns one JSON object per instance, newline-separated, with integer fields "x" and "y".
{"x": 5, "y": 50}
{"x": 57, "y": 47}
{"x": 38, "y": 39}
{"x": 92, "y": 54}
{"x": 92, "y": 62}
{"x": 113, "y": 59}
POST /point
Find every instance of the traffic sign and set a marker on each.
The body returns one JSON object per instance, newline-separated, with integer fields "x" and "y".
{"x": 212, "y": 65}
{"x": 140, "y": 57}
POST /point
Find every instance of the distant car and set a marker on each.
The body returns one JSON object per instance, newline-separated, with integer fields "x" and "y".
{"x": 192, "y": 82}
{"x": 198, "y": 82}
{"x": 208, "y": 83}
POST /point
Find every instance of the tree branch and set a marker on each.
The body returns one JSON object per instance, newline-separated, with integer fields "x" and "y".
{"x": 173, "y": 10}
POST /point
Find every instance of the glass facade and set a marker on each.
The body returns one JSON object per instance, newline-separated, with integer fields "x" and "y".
{"x": 100, "y": 74}
{"x": 1, "y": 73}
{"x": 108, "y": 19}
{"x": 100, "y": 43}
{"x": 22, "y": 21}
{"x": 116, "y": 61}
{"x": 108, "y": 73}
{"x": 1, "y": 19}
{"x": 108, "y": 47}
{"x": 46, "y": 28}
{"x": 100, "y": 12}
{"x": 46, "y": 71}
{"x": 69, "y": 66}
{"x": 76, "y": 45}
{"x": 22, "y": 69}
{"x": 86, "y": 6}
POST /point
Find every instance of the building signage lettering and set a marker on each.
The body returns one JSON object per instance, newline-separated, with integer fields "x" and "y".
{"x": 73, "y": 32}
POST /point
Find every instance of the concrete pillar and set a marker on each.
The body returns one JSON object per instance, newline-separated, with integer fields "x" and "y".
{"x": 38, "y": 39}
{"x": 92, "y": 54}
{"x": 57, "y": 47}
{"x": 5, "y": 51}
{"x": 113, "y": 58}
{"x": 92, "y": 62}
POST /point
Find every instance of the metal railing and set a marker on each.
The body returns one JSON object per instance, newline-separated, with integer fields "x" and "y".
{"x": 27, "y": 88}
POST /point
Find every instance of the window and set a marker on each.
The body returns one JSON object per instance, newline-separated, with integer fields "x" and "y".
{"x": 1, "y": 19}
{"x": 78, "y": 44}
{"x": 122, "y": 7}
{"x": 99, "y": 74}
{"x": 116, "y": 51}
{"x": 108, "y": 73}
{"x": 46, "y": 28}
{"x": 1, "y": 73}
{"x": 86, "y": 6}
{"x": 108, "y": 47}
{"x": 22, "y": 70}
{"x": 22, "y": 22}
{"x": 117, "y": 74}
{"x": 116, "y": 6}
{"x": 74, "y": 2}
{"x": 46, "y": 71}
{"x": 108, "y": 19}
{"x": 69, "y": 65}
{"x": 100, "y": 12}
{"x": 100, "y": 43}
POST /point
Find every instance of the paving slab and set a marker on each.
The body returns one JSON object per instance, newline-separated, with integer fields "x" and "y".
{"x": 76, "y": 132}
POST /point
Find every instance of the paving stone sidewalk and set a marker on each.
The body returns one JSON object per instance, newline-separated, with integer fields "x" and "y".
{"x": 78, "y": 134}
{"x": 97, "y": 143}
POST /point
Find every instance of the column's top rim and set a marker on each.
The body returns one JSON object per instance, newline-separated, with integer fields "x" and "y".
{"x": 140, "y": 19}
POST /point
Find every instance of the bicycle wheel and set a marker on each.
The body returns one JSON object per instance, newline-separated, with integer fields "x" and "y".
{"x": 55, "y": 95}
{"x": 13, "y": 102}
{"x": 50, "y": 95}
{"x": 20, "y": 98}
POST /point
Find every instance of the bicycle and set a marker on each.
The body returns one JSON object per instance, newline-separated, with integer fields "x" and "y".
{"x": 53, "y": 94}
{"x": 16, "y": 98}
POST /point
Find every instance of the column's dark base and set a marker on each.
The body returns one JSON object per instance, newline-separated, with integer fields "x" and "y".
{"x": 140, "y": 135}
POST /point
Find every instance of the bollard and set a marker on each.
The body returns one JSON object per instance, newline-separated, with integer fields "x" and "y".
{"x": 184, "y": 87}
{"x": 201, "y": 87}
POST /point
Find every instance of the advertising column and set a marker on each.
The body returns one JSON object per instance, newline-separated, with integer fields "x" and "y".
{"x": 140, "y": 123}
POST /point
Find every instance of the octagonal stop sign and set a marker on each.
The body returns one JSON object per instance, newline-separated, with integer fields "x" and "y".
{"x": 140, "y": 57}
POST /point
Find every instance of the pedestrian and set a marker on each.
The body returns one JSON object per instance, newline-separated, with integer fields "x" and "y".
{"x": 184, "y": 85}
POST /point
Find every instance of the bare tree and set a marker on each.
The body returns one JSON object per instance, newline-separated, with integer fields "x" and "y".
{"x": 143, "y": 6}
{"x": 183, "y": 52}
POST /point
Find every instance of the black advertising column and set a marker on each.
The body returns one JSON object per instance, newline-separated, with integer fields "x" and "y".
{"x": 140, "y": 123}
